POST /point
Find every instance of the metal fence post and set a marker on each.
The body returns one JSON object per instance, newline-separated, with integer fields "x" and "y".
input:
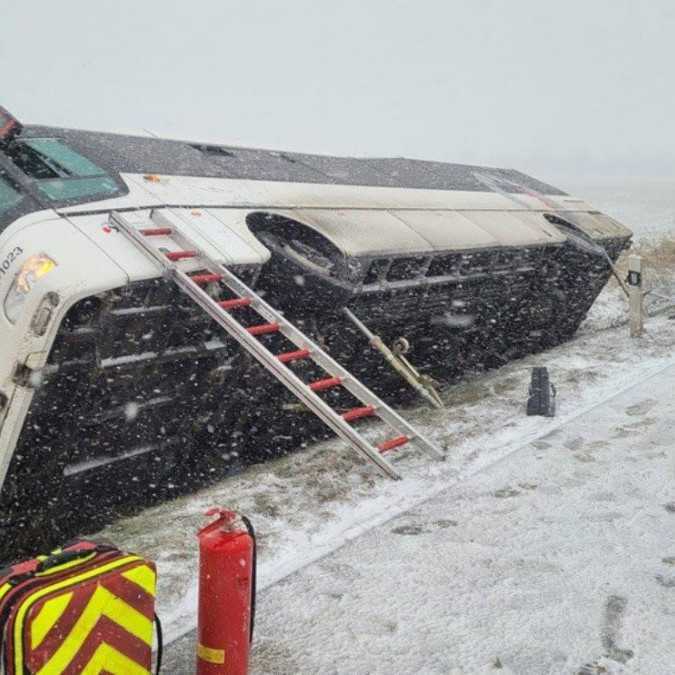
{"x": 635, "y": 295}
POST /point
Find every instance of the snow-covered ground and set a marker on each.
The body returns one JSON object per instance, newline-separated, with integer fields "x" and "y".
{"x": 556, "y": 559}
{"x": 505, "y": 472}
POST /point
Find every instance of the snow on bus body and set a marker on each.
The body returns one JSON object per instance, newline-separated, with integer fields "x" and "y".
{"x": 91, "y": 258}
{"x": 229, "y": 218}
{"x": 363, "y": 224}
{"x": 391, "y": 220}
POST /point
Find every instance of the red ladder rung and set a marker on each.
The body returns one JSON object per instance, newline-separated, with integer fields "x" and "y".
{"x": 328, "y": 383}
{"x": 155, "y": 231}
{"x": 393, "y": 443}
{"x": 358, "y": 413}
{"x": 206, "y": 278}
{"x": 263, "y": 328}
{"x": 181, "y": 255}
{"x": 240, "y": 302}
{"x": 294, "y": 356}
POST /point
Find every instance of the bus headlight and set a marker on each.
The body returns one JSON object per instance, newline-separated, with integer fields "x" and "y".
{"x": 33, "y": 269}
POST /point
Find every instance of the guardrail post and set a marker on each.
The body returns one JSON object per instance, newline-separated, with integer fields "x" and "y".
{"x": 635, "y": 295}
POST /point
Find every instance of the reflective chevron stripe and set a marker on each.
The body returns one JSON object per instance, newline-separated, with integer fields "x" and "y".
{"x": 20, "y": 619}
{"x": 107, "y": 659}
{"x": 142, "y": 576}
{"x": 49, "y": 614}
{"x": 4, "y": 589}
{"x": 102, "y": 604}
{"x": 65, "y": 566}
{"x": 121, "y": 588}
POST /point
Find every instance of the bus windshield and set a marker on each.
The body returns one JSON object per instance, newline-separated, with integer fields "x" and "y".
{"x": 61, "y": 174}
{"x": 9, "y": 195}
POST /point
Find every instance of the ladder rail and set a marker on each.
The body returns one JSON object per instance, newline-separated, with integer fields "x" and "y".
{"x": 342, "y": 428}
{"x": 167, "y": 262}
{"x": 282, "y": 372}
{"x": 331, "y": 366}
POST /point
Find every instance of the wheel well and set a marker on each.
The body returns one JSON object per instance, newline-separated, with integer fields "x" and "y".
{"x": 296, "y": 240}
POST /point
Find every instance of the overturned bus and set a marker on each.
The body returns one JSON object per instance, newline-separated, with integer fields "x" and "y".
{"x": 117, "y": 391}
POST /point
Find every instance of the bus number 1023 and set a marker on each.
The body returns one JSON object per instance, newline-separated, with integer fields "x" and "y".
{"x": 10, "y": 260}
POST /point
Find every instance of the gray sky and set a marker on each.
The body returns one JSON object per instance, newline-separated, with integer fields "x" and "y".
{"x": 582, "y": 88}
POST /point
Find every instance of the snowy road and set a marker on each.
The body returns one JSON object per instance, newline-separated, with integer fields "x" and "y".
{"x": 560, "y": 558}
{"x": 560, "y": 555}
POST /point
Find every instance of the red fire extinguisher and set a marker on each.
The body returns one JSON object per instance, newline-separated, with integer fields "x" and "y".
{"x": 227, "y": 580}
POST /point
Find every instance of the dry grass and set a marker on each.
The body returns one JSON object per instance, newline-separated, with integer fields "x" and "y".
{"x": 657, "y": 254}
{"x": 658, "y": 260}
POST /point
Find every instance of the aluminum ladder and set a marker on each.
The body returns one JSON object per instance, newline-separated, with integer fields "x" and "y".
{"x": 210, "y": 272}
